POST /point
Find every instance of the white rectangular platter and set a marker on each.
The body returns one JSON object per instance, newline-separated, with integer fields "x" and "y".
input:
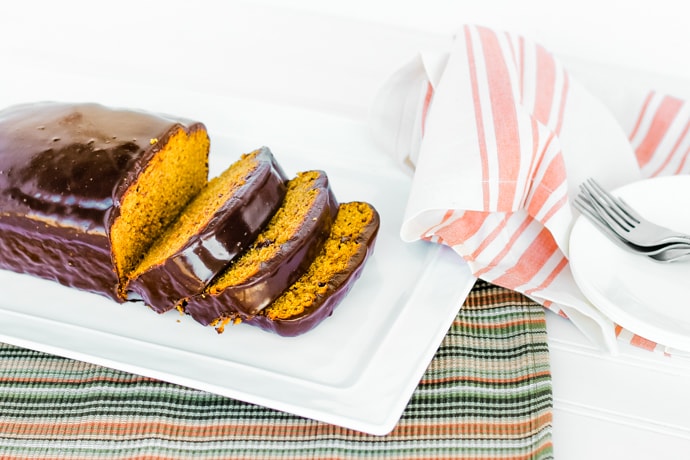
{"x": 358, "y": 369}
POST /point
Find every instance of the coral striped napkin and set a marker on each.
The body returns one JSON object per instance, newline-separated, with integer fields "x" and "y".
{"x": 498, "y": 137}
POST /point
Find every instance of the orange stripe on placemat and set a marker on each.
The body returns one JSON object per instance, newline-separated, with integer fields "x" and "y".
{"x": 553, "y": 178}
{"x": 618, "y": 329}
{"x": 10, "y": 456}
{"x": 564, "y": 100}
{"x": 634, "y": 339}
{"x": 488, "y": 380}
{"x": 427, "y": 102}
{"x": 511, "y": 47}
{"x": 681, "y": 166}
{"x": 117, "y": 428}
{"x": 539, "y": 154}
{"x": 557, "y": 206}
{"x": 77, "y": 381}
{"x": 431, "y": 230}
{"x": 549, "y": 279}
{"x": 476, "y": 324}
{"x": 666, "y": 112}
{"x": 545, "y": 76}
{"x": 186, "y": 432}
{"x": 482, "y": 429}
{"x": 531, "y": 262}
{"x": 463, "y": 228}
{"x": 504, "y": 114}
{"x": 481, "y": 135}
{"x": 489, "y": 239}
{"x": 508, "y": 246}
{"x": 521, "y": 62}
{"x": 535, "y": 160}
{"x": 643, "y": 111}
{"x": 673, "y": 152}
{"x": 643, "y": 343}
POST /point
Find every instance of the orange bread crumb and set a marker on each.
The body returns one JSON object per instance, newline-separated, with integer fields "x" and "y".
{"x": 343, "y": 250}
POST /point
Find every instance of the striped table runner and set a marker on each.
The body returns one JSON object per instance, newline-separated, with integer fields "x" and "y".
{"x": 485, "y": 395}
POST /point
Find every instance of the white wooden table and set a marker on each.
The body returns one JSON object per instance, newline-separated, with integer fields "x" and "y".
{"x": 328, "y": 57}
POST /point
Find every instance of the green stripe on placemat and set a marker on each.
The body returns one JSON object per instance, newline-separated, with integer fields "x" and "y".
{"x": 485, "y": 395}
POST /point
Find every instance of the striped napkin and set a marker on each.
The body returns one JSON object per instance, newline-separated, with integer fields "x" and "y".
{"x": 498, "y": 136}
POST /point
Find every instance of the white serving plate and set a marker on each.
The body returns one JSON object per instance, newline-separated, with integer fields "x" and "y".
{"x": 357, "y": 369}
{"x": 644, "y": 296}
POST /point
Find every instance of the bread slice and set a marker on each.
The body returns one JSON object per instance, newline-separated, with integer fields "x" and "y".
{"x": 217, "y": 225}
{"x": 278, "y": 256}
{"x": 314, "y": 296}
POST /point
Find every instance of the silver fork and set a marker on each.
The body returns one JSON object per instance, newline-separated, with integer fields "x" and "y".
{"x": 625, "y": 221}
{"x": 671, "y": 254}
{"x": 662, "y": 253}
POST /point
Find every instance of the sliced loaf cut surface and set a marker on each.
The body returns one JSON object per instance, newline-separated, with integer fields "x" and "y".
{"x": 313, "y": 297}
{"x": 279, "y": 255}
{"x": 217, "y": 225}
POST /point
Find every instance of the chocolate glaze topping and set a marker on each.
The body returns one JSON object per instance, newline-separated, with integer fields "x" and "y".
{"x": 231, "y": 229}
{"x": 324, "y": 305}
{"x": 277, "y": 273}
{"x": 63, "y": 169}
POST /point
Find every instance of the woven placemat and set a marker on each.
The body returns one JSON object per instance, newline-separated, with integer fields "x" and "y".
{"x": 486, "y": 395}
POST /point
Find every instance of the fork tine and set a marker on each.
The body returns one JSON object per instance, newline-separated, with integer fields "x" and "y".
{"x": 616, "y": 213}
{"x": 585, "y": 207}
{"x": 662, "y": 253}
{"x": 612, "y": 219}
{"x": 626, "y": 211}
{"x": 590, "y": 209}
{"x": 604, "y": 199}
{"x": 604, "y": 209}
{"x": 619, "y": 202}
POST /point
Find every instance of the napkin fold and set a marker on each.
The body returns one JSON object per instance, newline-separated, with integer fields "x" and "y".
{"x": 498, "y": 136}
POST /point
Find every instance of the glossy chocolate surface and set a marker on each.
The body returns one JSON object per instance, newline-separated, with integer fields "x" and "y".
{"x": 231, "y": 229}
{"x": 65, "y": 255}
{"x": 338, "y": 288}
{"x": 63, "y": 169}
{"x": 277, "y": 273}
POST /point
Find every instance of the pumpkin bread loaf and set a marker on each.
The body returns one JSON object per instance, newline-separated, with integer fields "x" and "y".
{"x": 278, "y": 256}
{"x": 313, "y": 297}
{"x": 86, "y": 189}
{"x": 118, "y": 202}
{"x": 216, "y": 226}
